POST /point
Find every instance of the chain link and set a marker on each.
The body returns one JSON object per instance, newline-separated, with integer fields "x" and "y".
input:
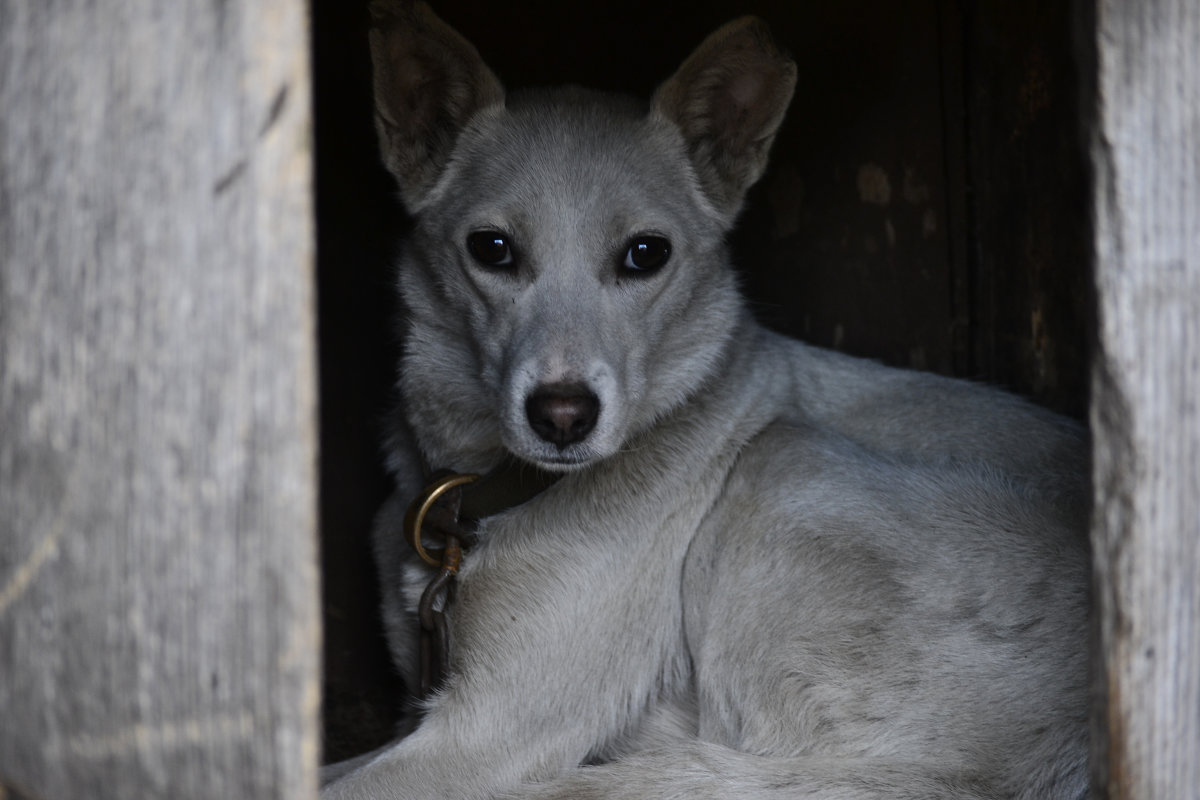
{"x": 442, "y": 518}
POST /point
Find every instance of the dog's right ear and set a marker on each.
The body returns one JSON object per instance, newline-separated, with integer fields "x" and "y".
{"x": 728, "y": 99}
{"x": 429, "y": 81}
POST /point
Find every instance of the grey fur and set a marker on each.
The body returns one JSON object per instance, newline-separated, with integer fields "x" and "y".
{"x": 770, "y": 571}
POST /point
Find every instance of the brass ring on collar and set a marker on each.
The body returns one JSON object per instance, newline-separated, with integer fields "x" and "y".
{"x": 414, "y": 518}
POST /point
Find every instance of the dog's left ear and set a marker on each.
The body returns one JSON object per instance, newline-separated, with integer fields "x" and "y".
{"x": 728, "y": 98}
{"x": 429, "y": 83}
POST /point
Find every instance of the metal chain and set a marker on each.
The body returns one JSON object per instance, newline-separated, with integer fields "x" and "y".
{"x": 443, "y": 518}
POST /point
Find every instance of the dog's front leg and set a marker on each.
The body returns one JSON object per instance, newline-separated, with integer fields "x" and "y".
{"x": 558, "y": 644}
{"x": 439, "y": 760}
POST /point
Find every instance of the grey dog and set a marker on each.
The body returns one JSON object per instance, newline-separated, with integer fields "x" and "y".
{"x": 765, "y": 570}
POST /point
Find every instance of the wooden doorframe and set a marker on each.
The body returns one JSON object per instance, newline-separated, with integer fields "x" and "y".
{"x": 1145, "y": 411}
{"x": 159, "y": 629}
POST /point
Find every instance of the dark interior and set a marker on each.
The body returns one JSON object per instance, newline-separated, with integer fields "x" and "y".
{"x": 926, "y": 206}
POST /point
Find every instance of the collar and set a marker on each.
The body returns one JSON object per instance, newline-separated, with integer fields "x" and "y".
{"x": 510, "y": 484}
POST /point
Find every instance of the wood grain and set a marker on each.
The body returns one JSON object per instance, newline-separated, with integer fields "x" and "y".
{"x": 1145, "y": 414}
{"x": 158, "y": 587}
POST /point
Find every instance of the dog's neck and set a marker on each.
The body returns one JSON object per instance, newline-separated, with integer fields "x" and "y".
{"x": 510, "y": 484}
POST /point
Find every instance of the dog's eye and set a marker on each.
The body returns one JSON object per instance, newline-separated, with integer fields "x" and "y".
{"x": 490, "y": 248}
{"x": 647, "y": 254}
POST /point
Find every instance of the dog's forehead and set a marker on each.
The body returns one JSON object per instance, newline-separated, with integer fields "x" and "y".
{"x": 574, "y": 149}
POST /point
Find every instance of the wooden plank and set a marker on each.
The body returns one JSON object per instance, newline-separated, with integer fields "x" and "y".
{"x": 1146, "y": 380}
{"x": 158, "y": 587}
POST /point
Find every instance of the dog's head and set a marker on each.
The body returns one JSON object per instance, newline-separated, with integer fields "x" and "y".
{"x": 565, "y": 278}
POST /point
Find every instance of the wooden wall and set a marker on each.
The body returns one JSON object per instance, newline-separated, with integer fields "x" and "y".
{"x": 1145, "y": 148}
{"x": 158, "y": 585}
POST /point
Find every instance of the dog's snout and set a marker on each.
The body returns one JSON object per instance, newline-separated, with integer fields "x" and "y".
{"x": 562, "y": 414}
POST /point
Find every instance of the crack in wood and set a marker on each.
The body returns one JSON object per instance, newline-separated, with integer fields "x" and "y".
{"x": 148, "y": 737}
{"x": 46, "y": 549}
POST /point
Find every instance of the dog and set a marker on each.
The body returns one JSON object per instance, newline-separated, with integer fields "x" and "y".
{"x": 758, "y": 569}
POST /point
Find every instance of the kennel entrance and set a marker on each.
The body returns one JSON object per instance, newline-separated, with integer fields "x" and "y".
{"x": 168, "y": 458}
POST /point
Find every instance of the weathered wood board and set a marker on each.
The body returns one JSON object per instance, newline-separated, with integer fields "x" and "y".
{"x": 159, "y": 634}
{"x": 1146, "y": 397}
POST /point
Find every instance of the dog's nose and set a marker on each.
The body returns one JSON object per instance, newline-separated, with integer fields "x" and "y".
{"x": 562, "y": 413}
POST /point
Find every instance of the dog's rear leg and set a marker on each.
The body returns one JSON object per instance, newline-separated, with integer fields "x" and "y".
{"x": 702, "y": 771}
